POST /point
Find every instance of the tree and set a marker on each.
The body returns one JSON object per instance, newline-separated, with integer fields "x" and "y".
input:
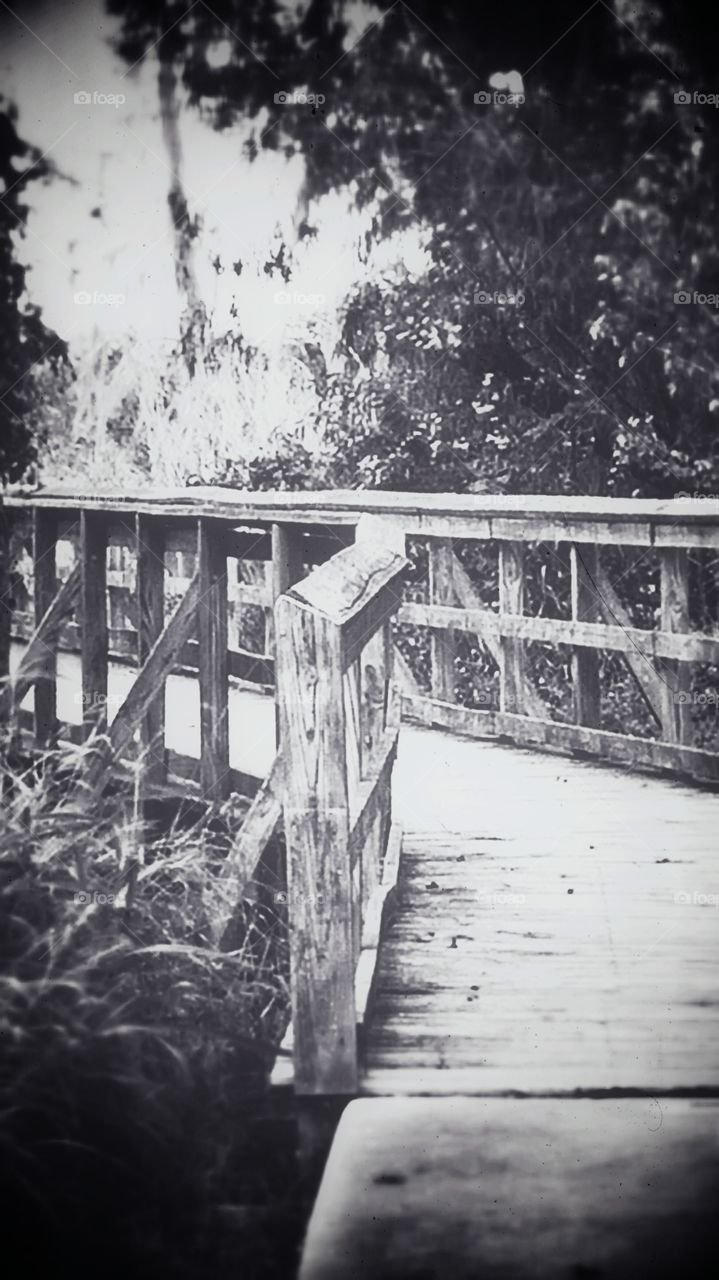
{"x": 25, "y": 342}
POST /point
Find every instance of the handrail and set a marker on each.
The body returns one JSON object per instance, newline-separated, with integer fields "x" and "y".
{"x": 336, "y": 793}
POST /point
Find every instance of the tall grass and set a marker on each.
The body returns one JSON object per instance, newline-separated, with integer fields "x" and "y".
{"x": 133, "y": 1048}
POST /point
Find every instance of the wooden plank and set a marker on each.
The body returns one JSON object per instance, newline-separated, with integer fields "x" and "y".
{"x": 43, "y": 637}
{"x": 513, "y": 678}
{"x": 150, "y": 611}
{"x": 585, "y": 662}
{"x": 443, "y": 643}
{"x": 676, "y": 678}
{"x": 614, "y": 612}
{"x": 260, "y": 825}
{"x": 358, "y": 590}
{"x": 44, "y": 591}
{"x": 374, "y": 793}
{"x": 645, "y": 645}
{"x": 212, "y": 663}
{"x": 149, "y": 682}
{"x": 93, "y": 619}
{"x": 312, "y": 732}
{"x": 424, "y": 1187}
{"x": 287, "y": 559}
{"x": 637, "y": 753}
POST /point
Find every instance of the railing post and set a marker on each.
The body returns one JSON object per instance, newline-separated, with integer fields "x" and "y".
{"x": 511, "y": 600}
{"x": 93, "y": 618}
{"x": 287, "y": 569}
{"x": 150, "y": 613}
{"x": 319, "y": 874}
{"x": 213, "y": 667}
{"x": 676, "y": 676}
{"x": 584, "y": 564}
{"x": 45, "y": 587}
{"x": 443, "y": 642}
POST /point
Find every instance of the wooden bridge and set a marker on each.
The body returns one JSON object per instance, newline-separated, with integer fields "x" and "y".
{"x": 484, "y": 901}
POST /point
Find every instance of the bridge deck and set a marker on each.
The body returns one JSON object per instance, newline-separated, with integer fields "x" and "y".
{"x": 556, "y": 928}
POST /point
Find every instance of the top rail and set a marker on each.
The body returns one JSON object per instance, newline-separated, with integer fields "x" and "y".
{"x": 682, "y": 521}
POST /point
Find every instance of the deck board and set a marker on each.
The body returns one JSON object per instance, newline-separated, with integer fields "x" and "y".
{"x": 540, "y": 942}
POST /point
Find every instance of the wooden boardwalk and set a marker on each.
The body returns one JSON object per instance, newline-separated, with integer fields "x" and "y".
{"x": 556, "y": 928}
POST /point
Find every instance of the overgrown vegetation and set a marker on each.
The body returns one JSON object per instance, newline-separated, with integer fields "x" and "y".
{"x": 134, "y": 1046}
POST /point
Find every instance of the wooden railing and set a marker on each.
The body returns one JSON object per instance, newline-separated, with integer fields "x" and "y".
{"x": 339, "y": 725}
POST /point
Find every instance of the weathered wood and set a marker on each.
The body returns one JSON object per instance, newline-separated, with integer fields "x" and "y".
{"x": 150, "y": 613}
{"x": 312, "y": 732}
{"x": 511, "y": 600}
{"x": 358, "y": 589}
{"x": 675, "y": 676}
{"x": 260, "y": 824}
{"x": 147, "y": 686}
{"x": 44, "y": 637}
{"x": 287, "y": 559}
{"x": 621, "y": 748}
{"x": 645, "y": 645}
{"x": 93, "y": 618}
{"x": 374, "y": 794}
{"x": 374, "y": 661}
{"x": 443, "y": 643}
{"x": 44, "y": 591}
{"x": 212, "y": 660}
{"x": 613, "y": 613}
{"x": 585, "y": 662}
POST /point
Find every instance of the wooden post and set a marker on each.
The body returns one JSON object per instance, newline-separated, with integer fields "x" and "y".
{"x": 312, "y": 726}
{"x": 443, "y": 642}
{"x": 375, "y": 666}
{"x": 584, "y": 563}
{"x": 45, "y": 589}
{"x": 150, "y": 613}
{"x": 93, "y": 619}
{"x": 212, "y": 661}
{"x": 675, "y": 675}
{"x": 287, "y": 569}
{"x": 511, "y": 600}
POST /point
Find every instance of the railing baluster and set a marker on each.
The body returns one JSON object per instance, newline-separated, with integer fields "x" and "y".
{"x": 511, "y": 600}
{"x": 584, "y": 563}
{"x": 319, "y": 874}
{"x": 444, "y": 642}
{"x": 45, "y": 589}
{"x": 213, "y": 661}
{"x": 150, "y": 612}
{"x": 676, "y": 676}
{"x": 93, "y": 618}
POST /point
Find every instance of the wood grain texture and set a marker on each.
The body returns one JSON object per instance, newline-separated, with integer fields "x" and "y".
{"x": 443, "y": 644}
{"x": 316, "y": 818}
{"x": 212, "y": 660}
{"x": 512, "y": 674}
{"x": 44, "y": 636}
{"x": 675, "y": 677}
{"x": 583, "y": 563}
{"x": 554, "y": 929}
{"x": 150, "y": 613}
{"x": 93, "y": 618}
{"x": 44, "y": 536}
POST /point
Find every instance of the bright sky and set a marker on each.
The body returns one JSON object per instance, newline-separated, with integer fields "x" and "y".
{"x": 102, "y": 230}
